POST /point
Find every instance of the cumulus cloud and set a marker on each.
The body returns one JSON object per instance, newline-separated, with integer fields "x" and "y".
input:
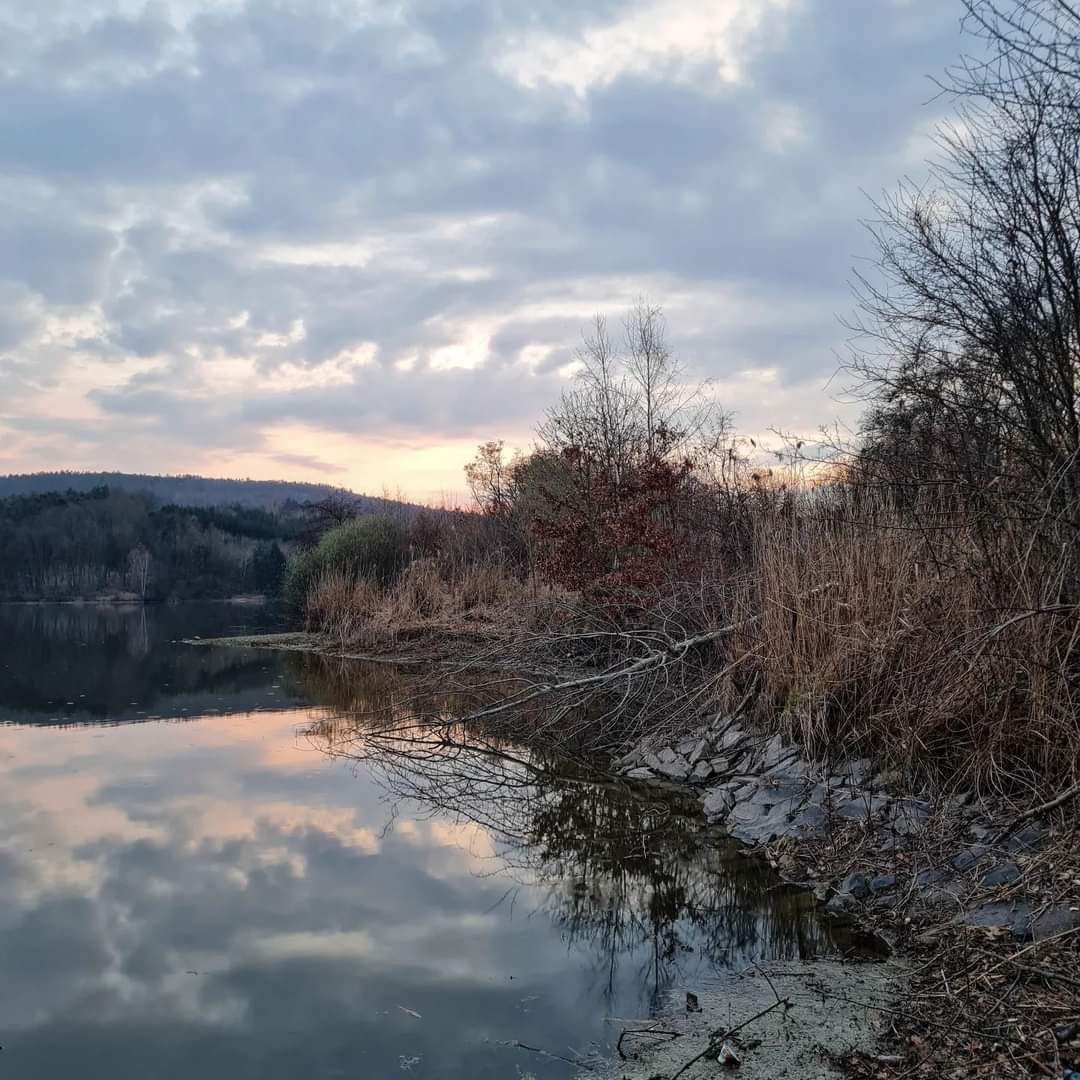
{"x": 389, "y": 222}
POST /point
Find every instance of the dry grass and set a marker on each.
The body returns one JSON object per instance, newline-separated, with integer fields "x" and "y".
{"x": 863, "y": 641}
{"x": 429, "y": 596}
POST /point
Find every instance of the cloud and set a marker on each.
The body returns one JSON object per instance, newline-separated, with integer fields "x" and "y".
{"x": 389, "y": 222}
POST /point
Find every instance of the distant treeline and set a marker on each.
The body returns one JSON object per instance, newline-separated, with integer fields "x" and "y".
{"x": 82, "y": 544}
{"x": 188, "y": 490}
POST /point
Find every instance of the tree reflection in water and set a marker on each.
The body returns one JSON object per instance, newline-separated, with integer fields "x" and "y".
{"x": 633, "y": 876}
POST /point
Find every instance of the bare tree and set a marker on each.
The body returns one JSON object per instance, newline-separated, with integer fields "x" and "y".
{"x": 976, "y": 308}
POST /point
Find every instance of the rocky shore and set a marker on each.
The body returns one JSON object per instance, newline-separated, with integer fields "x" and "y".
{"x": 987, "y": 901}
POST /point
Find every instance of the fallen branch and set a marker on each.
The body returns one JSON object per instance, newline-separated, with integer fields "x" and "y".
{"x": 518, "y": 1045}
{"x": 717, "y": 1038}
{"x": 656, "y": 659}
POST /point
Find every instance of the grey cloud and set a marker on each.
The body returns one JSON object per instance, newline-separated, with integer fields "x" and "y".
{"x": 168, "y": 157}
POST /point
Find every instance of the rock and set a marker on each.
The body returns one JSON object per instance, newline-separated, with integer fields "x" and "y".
{"x": 698, "y": 751}
{"x": 773, "y": 752}
{"x": 964, "y": 860}
{"x": 842, "y": 908}
{"x": 858, "y": 885}
{"x": 719, "y": 803}
{"x": 883, "y": 883}
{"x": 810, "y": 819}
{"x": 667, "y": 755}
{"x": 720, "y": 764}
{"x": 1056, "y": 920}
{"x": 771, "y": 794}
{"x": 686, "y": 746}
{"x": 678, "y": 769}
{"x": 792, "y": 769}
{"x": 863, "y": 807}
{"x": 894, "y": 843}
{"x": 732, "y": 737}
{"x": 1029, "y": 838}
{"x": 1005, "y": 873}
{"x": 934, "y": 876}
{"x": 641, "y": 773}
{"x": 750, "y": 763}
{"x": 702, "y": 771}
{"x": 1016, "y": 918}
{"x": 756, "y": 823}
{"x": 908, "y": 816}
{"x": 857, "y": 772}
{"x": 884, "y": 903}
{"x": 652, "y": 761}
{"x": 630, "y": 759}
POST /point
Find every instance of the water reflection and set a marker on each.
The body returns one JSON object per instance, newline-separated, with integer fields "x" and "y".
{"x": 627, "y": 876}
{"x": 72, "y": 663}
{"x": 308, "y": 892}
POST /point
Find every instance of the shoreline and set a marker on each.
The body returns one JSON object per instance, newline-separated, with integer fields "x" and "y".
{"x": 954, "y": 885}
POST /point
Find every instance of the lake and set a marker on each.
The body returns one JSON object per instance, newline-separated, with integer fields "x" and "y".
{"x": 211, "y": 867}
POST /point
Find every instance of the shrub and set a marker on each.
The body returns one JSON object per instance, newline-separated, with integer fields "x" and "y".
{"x": 374, "y": 549}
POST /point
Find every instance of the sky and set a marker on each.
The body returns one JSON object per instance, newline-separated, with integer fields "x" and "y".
{"x": 348, "y": 240}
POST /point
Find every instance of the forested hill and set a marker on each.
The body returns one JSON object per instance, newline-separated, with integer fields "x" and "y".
{"x": 122, "y": 544}
{"x": 183, "y": 490}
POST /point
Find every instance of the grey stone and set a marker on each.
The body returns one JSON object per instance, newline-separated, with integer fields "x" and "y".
{"x": 883, "y": 883}
{"x": 720, "y": 764}
{"x": 667, "y": 755}
{"x": 771, "y": 794}
{"x": 792, "y": 769}
{"x": 863, "y": 807}
{"x": 1055, "y": 920}
{"x": 750, "y": 763}
{"x": 934, "y": 876}
{"x": 884, "y": 903}
{"x": 652, "y": 760}
{"x": 964, "y": 860}
{"x": 700, "y": 749}
{"x": 894, "y": 843}
{"x": 857, "y": 884}
{"x": 641, "y": 773}
{"x": 732, "y": 737}
{"x": 1005, "y": 873}
{"x": 772, "y": 752}
{"x": 909, "y": 816}
{"x": 1029, "y": 838}
{"x": 810, "y": 819}
{"x": 632, "y": 758}
{"x": 679, "y": 769}
{"x": 842, "y": 908}
{"x": 857, "y": 772}
{"x": 702, "y": 770}
{"x": 687, "y": 746}
{"x": 1016, "y": 918}
{"x": 761, "y": 824}
{"x": 745, "y": 791}
{"x": 718, "y": 802}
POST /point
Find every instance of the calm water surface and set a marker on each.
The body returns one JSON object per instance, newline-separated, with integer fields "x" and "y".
{"x": 208, "y": 870}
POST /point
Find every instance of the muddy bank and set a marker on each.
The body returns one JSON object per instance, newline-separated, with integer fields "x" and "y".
{"x": 781, "y": 1019}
